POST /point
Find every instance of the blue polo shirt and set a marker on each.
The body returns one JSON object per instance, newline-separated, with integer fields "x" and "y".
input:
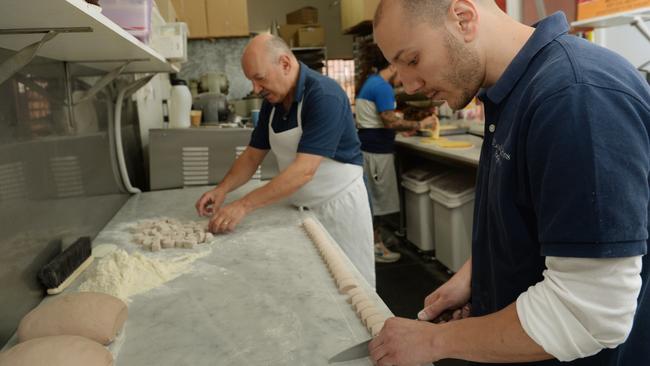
{"x": 376, "y": 96}
{"x": 564, "y": 171}
{"x": 327, "y": 125}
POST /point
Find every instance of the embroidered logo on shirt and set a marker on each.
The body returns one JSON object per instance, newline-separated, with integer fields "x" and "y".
{"x": 499, "y": 152}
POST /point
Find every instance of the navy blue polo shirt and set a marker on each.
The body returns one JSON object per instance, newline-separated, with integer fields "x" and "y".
{"x": 376, "y": 96}
{"x": 564, "y": 171}
{"x": 327, "y": 125}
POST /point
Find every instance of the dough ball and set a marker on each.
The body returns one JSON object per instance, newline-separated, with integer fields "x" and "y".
{"x": 57, "y": 351}
{"x": 93, "y": 315}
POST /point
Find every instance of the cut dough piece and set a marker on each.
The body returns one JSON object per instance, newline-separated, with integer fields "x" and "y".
{"x": 362, "y": 305}
{"x": 354, "y": 300}
{"x": 367, "y": 312}
{"x": 354, "y": 292}
{"x": 342, "y": 275}
{"x": 93, "y": 315}
{"x": 347, "y": 285}
{"x": 167, "y": 243}
{"x": 57, "y": 351}
{"x": 373, "y": 320}
{"x": 375, "y": 329}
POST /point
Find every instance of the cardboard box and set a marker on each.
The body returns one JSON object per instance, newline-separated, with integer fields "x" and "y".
{"x": 288, "y": 33}
{"x": 597, "y": 8}
{"x": 306, "y": 15}
{"x": 310, "y": 36}
{"x": 227, "y": 18}
{"x": 193, "y": 12}
{"x": 354, "y": 12}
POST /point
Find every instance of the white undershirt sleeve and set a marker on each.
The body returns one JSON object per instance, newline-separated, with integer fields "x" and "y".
{"x": 582, "y": 306}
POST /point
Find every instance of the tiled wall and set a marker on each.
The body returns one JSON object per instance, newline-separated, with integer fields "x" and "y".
{"x": 221, "y": 55}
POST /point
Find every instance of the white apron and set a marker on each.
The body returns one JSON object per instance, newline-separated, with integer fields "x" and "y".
{"x": 337, "y": 196}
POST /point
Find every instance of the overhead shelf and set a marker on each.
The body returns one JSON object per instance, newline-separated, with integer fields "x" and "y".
{"x": 105, "y": 47}
{"x": 612, "y": 20}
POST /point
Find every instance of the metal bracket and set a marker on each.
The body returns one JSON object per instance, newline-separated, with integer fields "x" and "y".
{"x": 23, "y": 57}
{"x": 639, "y": 22}
{"x": 101, "y": 83}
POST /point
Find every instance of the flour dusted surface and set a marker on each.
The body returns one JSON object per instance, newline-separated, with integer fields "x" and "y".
{"x": 123, "y": 275}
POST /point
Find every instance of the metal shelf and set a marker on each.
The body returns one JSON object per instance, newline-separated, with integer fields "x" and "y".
{"x": 105, "y": 47}
{"x": 612, "y": 20}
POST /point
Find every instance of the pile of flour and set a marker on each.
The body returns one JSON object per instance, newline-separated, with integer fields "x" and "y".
{"x": 123, "y": 275}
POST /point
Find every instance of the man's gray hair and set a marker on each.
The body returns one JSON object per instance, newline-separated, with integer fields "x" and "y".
{"x": 430, "y": 11}
{"x": 277, "y": 47}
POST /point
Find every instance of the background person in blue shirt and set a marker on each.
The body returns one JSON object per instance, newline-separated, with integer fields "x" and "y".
{"x": 306, "y": 121}
{"x": 559, "y": 271}
{"x": 377, "y": 122}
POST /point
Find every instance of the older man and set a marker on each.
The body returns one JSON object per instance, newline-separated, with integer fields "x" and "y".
{"x": 307, "y": 122}
{"x": 558, "y": 274}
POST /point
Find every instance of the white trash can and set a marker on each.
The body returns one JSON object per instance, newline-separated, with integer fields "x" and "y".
{"x": 418, "y": 210}
{"x": 453, "y": 214}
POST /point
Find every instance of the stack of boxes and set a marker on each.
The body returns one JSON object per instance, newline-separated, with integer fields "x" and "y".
{"x": 302, "y": 29}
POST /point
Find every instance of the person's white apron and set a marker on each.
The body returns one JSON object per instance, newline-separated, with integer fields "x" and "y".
{"x": 337, "y": 196}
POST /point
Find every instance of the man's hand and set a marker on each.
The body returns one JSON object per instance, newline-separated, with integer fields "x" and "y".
{"x": 404, "y": 342}
{"x": 430, "y": 122}
{"x": 209, "y": 202}
{"x": 227, "y": 217}
{"x": 454, "y": 294}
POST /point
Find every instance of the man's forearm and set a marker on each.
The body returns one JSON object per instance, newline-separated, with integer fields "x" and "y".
{"x": 498, "y": 337}
{"x": 392, "y": 121}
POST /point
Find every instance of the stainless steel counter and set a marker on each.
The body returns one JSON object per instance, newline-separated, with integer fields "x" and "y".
{"x": 261, "y": 296}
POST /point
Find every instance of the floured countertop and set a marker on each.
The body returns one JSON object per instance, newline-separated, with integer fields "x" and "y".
{"x": 261, "y": 295}
{"x": 464, "y": 155}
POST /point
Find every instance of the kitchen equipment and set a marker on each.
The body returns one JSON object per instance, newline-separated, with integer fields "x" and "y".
{"x": 214, "y": 82}
{"x": 357, "y": 351}
{"x": 180, "y": 104}
{"x": 214, "y": 106}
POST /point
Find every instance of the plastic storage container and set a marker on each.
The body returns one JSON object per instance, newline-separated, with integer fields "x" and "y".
{"x": 453, "y": 211}
{"x": 418, "y": 210}
{"x": 132, "y": 15}
{"x": 170, "y": 40}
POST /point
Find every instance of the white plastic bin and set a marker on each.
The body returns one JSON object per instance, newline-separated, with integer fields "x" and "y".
{"x": 453, "y": 210}
{"x": 419, "y": 218}
{"x": 132, "y": 15}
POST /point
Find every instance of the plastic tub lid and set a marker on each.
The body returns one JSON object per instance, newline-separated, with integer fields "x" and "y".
{"x": 453, "y": 190}
{"x": 417, "y": 180}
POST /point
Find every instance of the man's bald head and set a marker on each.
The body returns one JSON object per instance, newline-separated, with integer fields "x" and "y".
{"x": 268, "y": 46}
{"x": 270, "y": 65}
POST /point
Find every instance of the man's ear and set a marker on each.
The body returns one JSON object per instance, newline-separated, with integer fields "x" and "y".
{"x": 464, "y": 17}
{"x": 285, "y": 63}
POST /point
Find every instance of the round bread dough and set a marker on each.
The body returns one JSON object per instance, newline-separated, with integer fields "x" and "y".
{"x": 93, "y": 315}
{"x": 347, "y": 285}
{"x": 57, "y": 351}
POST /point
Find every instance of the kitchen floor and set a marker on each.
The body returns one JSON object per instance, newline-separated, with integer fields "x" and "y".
{"x": 403, "y": 285}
